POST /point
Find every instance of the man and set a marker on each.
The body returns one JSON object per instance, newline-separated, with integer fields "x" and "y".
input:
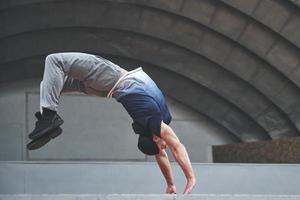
{"x": 135, "y": 90}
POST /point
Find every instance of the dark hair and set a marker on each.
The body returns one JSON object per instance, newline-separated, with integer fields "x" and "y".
{"x": 147, "y": 146}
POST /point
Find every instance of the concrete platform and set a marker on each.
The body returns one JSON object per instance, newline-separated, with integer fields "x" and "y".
{"x": 145, "y": 197}
{"x": 145, "y": 178}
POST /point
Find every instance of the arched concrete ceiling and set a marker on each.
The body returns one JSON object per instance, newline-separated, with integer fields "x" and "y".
{"x": 241, "y": 67}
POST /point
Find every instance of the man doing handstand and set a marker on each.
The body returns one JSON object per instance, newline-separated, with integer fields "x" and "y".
{"x": 135, "y": 90}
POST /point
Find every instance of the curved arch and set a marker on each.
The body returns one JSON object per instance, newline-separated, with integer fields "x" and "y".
{"x": 263, "y": 118}
{"x": 261, "y": 93}
{"x": 179, "y": 12}
{"x": 138, "y": 54}
{"x": 212, "y": 72}
{"x": 154, "y": 6}
{"x": 156, "y": 73}
{"x": 289, "y": 9}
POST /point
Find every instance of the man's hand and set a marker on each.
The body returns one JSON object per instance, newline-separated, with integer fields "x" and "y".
{"x": 191, "y": 182}
{"x": 165, "y": 166}
{"x": 171, "y": 189}
{"x": 180, "y": 154}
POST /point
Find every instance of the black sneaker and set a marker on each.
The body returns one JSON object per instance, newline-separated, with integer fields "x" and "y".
{"x": 45, "y": 124}
{"x": 41, "y": 141}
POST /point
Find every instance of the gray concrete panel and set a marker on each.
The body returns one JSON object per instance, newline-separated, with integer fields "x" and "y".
{"x": 201, "y": 11}
{"x": 214, "y": 47}
{"x": 248, "y": 134}
{"x": 243, "y": 64}
{"x": 11, "y": 141}
{"x": 111, "y": 17}
{"x": 291, "y": 103}
{"x": 292, "y": 27}
{"x": 296, "y": 112}
{"x": 173, "y": 5}
{"x": 245, "y": 6}
{"x": 112, "y": 178}
{"x": 155, "y": 23}
{"x": 257, "y": 38}
{"x": 284, "y": 56}
{"x": 295, "y": 74}
{"x": 260, "y": 105}
{"x": 186, "y": 34}
{"x": 269, "y": 84}
{"x": 287, "y": 99}
{"x": 228, "y": 22}
{"x": 165, "y": 4}
{"x": 276, "y": 126}
{"x": 274, "y": 13}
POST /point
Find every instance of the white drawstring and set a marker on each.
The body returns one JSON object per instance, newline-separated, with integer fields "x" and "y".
{"x": 120, "y": 79}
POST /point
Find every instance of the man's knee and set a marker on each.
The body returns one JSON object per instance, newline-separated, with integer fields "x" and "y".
{"x": 55, "y": 61}
{"x": 52, "y": 58}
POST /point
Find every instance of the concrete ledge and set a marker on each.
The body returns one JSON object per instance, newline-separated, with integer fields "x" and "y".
{"x": 145, "y": 178}
{"x": 144, "y": 197}
{"x": 272, "y": 151}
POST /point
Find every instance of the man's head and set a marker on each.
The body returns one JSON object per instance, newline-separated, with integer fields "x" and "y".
{"x": 148, "y": 143}
{"x": 161, "y": 144}
{"x": 147, "y": 146}
{"x": 151, "y": 146}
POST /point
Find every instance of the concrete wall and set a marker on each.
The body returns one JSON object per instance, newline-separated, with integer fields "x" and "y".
{"x": 235, "y": 62}
{"x": 239, "y": 59}
{"x": 94, "y": 129}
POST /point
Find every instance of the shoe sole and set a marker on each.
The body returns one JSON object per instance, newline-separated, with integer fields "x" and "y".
{"x": 44, "y": 131}
{"x": 43, "y": 140}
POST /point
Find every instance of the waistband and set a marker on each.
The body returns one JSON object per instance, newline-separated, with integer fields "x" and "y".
{"x": 109, "y": 95}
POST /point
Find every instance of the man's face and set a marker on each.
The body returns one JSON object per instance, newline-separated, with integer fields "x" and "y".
{"x": 159, "y": 142}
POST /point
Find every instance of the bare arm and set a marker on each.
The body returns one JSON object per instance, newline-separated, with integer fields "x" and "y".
{"x": 165, "y": 167}
{"x": 180, "y": 154}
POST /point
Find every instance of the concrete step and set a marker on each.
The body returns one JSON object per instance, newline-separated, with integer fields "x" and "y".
{"x": 144, "y": 197}
{"x": 145, "y": 178}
